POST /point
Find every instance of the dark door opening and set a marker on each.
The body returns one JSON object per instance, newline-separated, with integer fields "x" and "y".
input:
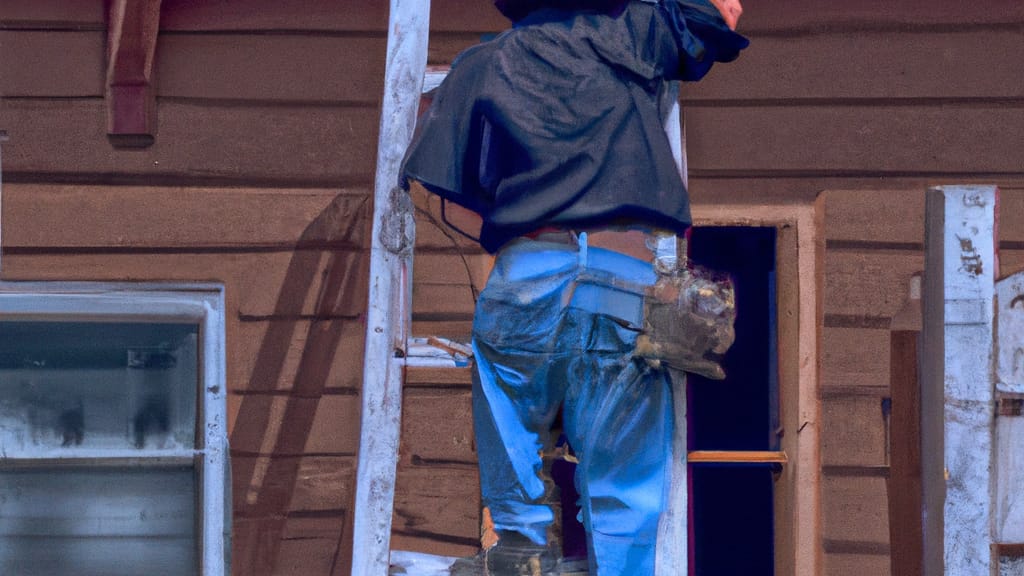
{"x": 732, "y": 516}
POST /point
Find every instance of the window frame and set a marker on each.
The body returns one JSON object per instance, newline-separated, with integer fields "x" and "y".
{"x": 202, "y": 304}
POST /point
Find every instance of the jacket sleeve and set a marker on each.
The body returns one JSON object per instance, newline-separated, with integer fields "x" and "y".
{"x": 702, "y": 37}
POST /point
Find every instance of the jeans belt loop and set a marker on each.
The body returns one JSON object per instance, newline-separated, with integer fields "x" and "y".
{"x": 582, "y": 240}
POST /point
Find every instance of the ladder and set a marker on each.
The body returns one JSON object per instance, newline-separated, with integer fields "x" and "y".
{"x": 389, "y": 312}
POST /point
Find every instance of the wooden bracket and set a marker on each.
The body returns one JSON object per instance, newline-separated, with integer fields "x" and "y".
{"x": 131, "y": 43}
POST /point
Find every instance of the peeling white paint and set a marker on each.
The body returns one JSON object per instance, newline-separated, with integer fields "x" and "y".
{"x": 1010, "y": 333}
{"x": 1009, "y": 458}
{"x": 1011, "y": 566}
{"x": 959, "y": 362}
{"x": 389, "y": 304}
{"x": 418, "y": 564}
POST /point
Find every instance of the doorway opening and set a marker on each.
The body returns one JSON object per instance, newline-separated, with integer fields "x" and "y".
{"x": 732, "y": 519}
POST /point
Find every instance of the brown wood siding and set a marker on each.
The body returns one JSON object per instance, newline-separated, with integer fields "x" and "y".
{"x": 52, "y": 63}
{"x": 53, "y": 14}
{"x": 261, "y": 175}
{"x": 256, "y": 144}
{"x": 437, "y": 506}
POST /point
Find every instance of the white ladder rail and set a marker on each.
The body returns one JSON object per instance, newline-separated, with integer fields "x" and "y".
{"x": 672, "y": 553}
{"x": 388, "y": 315}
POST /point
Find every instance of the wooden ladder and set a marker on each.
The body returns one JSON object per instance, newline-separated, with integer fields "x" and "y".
{"x": 389, "y": 311}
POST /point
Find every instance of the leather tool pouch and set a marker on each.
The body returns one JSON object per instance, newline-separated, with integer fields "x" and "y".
{"x": 689, "y": 318}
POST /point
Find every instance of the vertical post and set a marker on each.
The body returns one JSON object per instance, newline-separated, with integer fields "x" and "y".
{"x": 904, "y": 482}
{"x": 957, "y": 391}
{"x": 388, "y": 309}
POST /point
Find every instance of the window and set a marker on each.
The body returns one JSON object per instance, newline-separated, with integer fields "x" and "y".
{"x": 112, "y": 430}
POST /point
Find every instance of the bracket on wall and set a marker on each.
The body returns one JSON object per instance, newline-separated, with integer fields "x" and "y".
{"x": 131, "y": 42}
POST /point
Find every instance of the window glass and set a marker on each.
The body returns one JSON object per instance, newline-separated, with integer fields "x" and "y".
{"x": 67, "y": 386}
{"x": 111, "y": 521}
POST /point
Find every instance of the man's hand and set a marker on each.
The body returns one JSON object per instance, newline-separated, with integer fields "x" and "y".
{"x": 730, "y": 10}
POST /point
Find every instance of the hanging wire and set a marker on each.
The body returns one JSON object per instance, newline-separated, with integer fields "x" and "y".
{"x": 444, "y": 218}
{"x": 444, "y": 229}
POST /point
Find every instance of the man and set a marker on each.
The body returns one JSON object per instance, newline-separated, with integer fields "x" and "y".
{"x": 553, "y": 133}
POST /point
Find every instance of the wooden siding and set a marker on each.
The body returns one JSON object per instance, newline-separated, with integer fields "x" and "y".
{"x": 260, "y": 178}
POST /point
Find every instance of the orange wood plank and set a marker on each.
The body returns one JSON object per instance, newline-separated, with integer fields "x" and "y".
{"x": 737, "y": 457}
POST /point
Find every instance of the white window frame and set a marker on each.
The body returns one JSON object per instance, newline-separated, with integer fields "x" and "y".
{"x": 202, "y": 304}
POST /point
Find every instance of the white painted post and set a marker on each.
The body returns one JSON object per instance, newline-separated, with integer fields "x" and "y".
{"x": 957, "y": 400}
{"x": 1009, "y": 459}
{"x": 388, "y": 312}
{"x": 1010, "y": 337}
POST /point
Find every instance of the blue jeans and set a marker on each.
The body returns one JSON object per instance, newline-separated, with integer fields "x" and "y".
{"x": 555, "y": 327}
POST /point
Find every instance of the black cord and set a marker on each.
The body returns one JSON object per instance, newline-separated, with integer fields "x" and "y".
{"x": 458, "y": 248}
{"x": 444, "y": 218}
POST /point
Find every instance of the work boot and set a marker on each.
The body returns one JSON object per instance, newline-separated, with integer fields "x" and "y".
{"x": 513, "y": 555}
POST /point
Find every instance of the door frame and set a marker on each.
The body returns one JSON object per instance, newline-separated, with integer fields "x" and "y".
{"x": 800, "y": 249}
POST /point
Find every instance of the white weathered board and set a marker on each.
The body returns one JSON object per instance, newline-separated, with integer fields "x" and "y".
{"x": 957, "y": 396}
{"x": 1009, "y": 458}
{"x": 1010, "y": 334}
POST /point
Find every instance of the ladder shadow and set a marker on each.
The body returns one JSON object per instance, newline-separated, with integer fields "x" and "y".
{"x": 263, "y": 483}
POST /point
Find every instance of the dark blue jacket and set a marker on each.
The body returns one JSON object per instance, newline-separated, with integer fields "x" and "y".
{"x": 559, "y": 121}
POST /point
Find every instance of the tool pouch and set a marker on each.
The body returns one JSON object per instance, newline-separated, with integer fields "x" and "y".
{"x": 688, "y": 325}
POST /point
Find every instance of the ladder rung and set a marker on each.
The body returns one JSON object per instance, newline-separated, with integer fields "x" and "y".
{"x": 437, "y": 353}
{"x": 433, "y": 77}
{"x": 736, "y": 457}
